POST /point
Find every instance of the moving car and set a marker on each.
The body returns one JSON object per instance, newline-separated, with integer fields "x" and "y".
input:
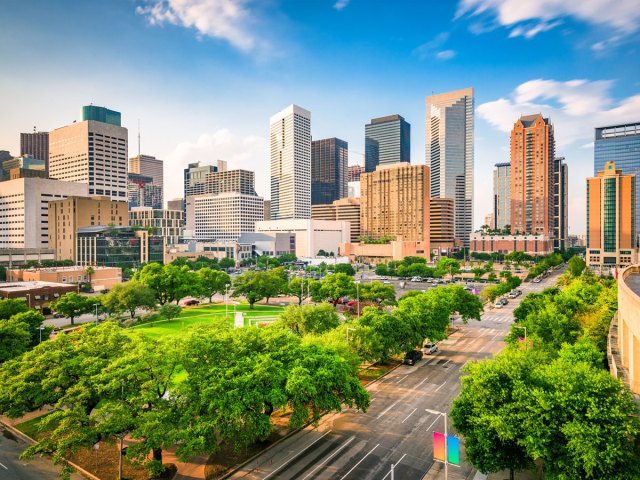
{"x": 412, "y": 357}
{"x": 498, "y": 304}
{"x": 430, "y": 348}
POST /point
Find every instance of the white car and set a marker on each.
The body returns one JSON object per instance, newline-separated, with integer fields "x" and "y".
{"x": 430, "y": 348}
{"x": 498, "y": 304}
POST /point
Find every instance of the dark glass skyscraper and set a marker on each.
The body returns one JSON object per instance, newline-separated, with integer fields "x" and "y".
{"x": 387, "y": 140}
{"x": 329, "y": 158}
{"x": 101, "y": 114}
{"x": 620, "y": 144}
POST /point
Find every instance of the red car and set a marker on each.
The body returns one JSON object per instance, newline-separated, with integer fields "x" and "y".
{"x": 191, "y": 302}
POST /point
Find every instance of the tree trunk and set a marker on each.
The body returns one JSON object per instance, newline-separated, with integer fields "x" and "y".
{"x": 511, "y": 474}
{"x": 267, "y": 302}
{"x": 211, "y": 297}
{"x": 71, "y": 318}
{"x": 157, "y": 454}
{"x": 251, "y": 305}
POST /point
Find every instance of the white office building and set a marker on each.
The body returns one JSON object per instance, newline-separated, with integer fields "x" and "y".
{"x": 310, "y": 236}
{"x": 24, "y": 209}
{"x": 223, "y": 216}
{"x": 290, "y": 137}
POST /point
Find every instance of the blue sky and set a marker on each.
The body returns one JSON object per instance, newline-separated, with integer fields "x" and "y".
{"x": 204, "y": 76}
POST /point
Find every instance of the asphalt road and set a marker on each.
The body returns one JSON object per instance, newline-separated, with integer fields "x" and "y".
{"x": 12, "y": 468}
{"x": 398, "y": 428}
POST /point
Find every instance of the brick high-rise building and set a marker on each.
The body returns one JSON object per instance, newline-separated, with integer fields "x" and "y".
{"x": 92, "y": 152}
{"x": 149, "y": 166}
{"x": 611, "y": 218}
{"x": 394, "y": 202}
{"x": 329, "y": 158}
{"x": 354, "y": 173}
{"x": 532, "y": 176}
{"x": 343, "y": 209}
{"x": 68, "y": 215}
{"x": 441, "y": 221}
{"x": 35, "y": 144}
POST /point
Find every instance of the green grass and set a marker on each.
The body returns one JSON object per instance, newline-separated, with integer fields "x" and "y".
{"x": 203, "y": 315}
{"x": 31, "y": 427}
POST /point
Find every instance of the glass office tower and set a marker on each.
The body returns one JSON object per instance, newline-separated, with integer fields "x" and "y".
{"x": 387, "y": 140}
{"x": 620, "y": 144}
{"x": 329, "y": 158}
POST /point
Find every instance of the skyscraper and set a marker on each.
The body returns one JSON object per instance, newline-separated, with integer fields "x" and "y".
{"x": 560, "y": 204}
{"x": 449, "y": 153}
{"x": 501, "y": 196}
{"x": 101, "y": 114}
{"x": 290, "y": 137}
{"x": 354, "y": 173}
{"x": 532, "y": 176}
{"x": 35, "y": 144}
{"x": 92, "y": 152}
{"x": 329, "y": 158}
{"x": 387, "y": 140}
{"x": 620, "y": 144}
{"x": 611, "y": 216}
{"x": 148, "y": 166}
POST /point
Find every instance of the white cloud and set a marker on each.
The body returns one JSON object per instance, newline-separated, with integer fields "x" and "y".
{"x": 340, "y": 4}
{"x": 530, "y": 17}
{"x": 248, "y": 153}
{"x": 227, "y": 20}
{"x": 575, "y": 107}
{"x": 433, "y": 47}
{"x": 446, "y": 54}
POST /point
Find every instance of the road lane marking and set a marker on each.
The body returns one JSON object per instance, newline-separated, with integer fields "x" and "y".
{"x": 425, "y": 379}
{"x": 354, "y": 467}
{"x": 296, "y": 454}
{"x": 437, "y": 389}
{"x": 409, "y": 415}
{"x": 446, "y": 362}
{"x": 401, "y": 379}
{"x": 429, "y": 427}
{"x": 388, "y": 408}
{"x": 330, "y": 456}
{"x": 3, "y": 466}
{"x": 394, "y": 466}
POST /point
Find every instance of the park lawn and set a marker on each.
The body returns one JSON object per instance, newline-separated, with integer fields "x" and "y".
{"x": 203, "y": 315}
{"x": 31, "y": 427}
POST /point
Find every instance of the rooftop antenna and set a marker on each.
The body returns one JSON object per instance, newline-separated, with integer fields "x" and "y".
{"x": 138, "y": 137}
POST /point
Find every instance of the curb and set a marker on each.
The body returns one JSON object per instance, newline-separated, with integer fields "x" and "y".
{"x": 31, "y": 441}
{"x": 235, "y": 468}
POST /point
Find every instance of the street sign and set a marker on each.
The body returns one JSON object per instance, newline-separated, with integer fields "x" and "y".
{"x": 452, "y": 450}
{"x": 438, "y": 446}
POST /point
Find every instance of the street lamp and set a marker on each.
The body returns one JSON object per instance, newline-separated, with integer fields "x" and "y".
{"x": 28, "y": 299}
{"x": 349, "y": 328}
{"x": 41, "y": 328}
{"x": 96, "y": 305}
{"x": 358, "y": 296}
{"x": 226, "y": 302}
{"x": 526, "y": 346}
{"x": 446, "y": 458}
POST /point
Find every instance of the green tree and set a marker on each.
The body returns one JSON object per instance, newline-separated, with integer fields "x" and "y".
{"x": 337, "y": 286}
{"x": 344, "y": 268}
{"x": 89, "y": 271}
{"x": 14, "y": 338}
{"x": 273, "y": 282}
{"x": 10, "y": 306}
{"x": 33, "y": 319}
{"x": 72, "y": 305}
{"x": 213, "y": 281}
{"x": 310, "y": 318}
{"x": 381, "y": 269}
{"x": 301, "y": 288}
{"x": 129, "y": 296}
{"x": 250, "y": 286}
{"x": 447, "y": 265}
{"x": 576, "y": 266}
{"x": 226, "y": 263}
{"x": 378, "y": 292}
{"x": 152, "y": 275}
{"x": 379, "y": 335}
{"x": 488, "y": 412}
{"x": 170, "y": 311}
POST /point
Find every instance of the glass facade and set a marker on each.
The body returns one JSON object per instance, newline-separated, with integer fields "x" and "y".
{"x": 387, "y": 141}
{"x": 620, "y": 144}
{"x": 329, "y": 158}
{"x": 609, "y": 215}
{"x": 101, "y": 114}
{"x": 117, "y": 247}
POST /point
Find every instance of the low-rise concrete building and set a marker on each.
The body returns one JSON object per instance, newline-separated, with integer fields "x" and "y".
{"x": 393, "y": 250}
{"x": 36, "y": 295}
{"x": 100, "y": 278}
{"x": 311, "y": 236}
{"x": 535, "y": 245}
{"x": 624, "y": 335}
{"x": 165, "y": 223}
{"x": 12, "y": 257}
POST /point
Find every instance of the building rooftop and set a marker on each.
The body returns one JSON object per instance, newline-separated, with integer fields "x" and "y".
{"x": 74, "y": 268}
{"x": 26, "y": 286}
{"x": 528, "y": 120}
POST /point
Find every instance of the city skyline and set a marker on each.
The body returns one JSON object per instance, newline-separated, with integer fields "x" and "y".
{"x": 239, "y": 76}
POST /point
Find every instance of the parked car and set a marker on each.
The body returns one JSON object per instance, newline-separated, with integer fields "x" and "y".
{"x": 430, "y": 348}
{"x": 386, "y": 282}
{"x": 504, "y": 301}
{"x": 498, "y": 304}
{"x": 58, "y": 315}
{"x": 191, "y": 302}
{"x": 416, "y": 279}
{"x": 537, "y": 280}
{"x": 412, "y": 357}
